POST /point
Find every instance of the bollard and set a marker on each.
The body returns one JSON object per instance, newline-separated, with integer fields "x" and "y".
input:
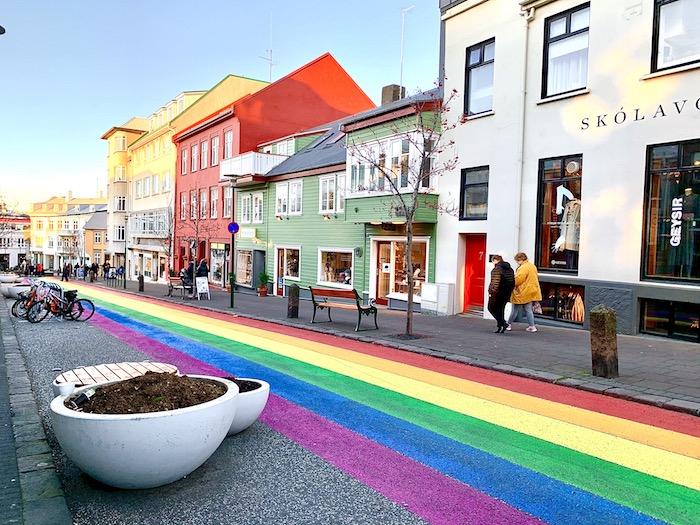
{"x": 603, "y": 329}
{"x": 293, "y": 301}
{"x": 140, "y": 279}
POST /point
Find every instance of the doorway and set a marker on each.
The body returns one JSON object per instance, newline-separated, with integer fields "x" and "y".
{"x": 474, "y": 271}
{"x": 383, "y": 271}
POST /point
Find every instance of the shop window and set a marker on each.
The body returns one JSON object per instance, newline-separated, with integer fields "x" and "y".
{"x": 244, "y": 267}
{"x": 419, "y": 251}
{"x": 217, "y": 262}
{"x": 676, "y": 39}
{"x": 566, "y": 51}
{"x": 479, "y": 78}
{"x": 288, "y": 263}
{"x": 672, "y": 243}
{"x": 475, "y": 194}
{"x": 559, "y": 214}
{"x": 673, "y": 319}
{"x": 563, "y": 302}
{"x": 335, "y": 267}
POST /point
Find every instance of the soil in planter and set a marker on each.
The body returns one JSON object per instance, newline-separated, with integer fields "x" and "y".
{"x": 243, "y": 385}
{"x": 151, "y": 392}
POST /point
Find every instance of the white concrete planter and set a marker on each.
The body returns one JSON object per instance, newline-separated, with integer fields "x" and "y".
{"x": 249, "y": 406}
{"x": 144, "y": 450}
{"x": 8, "y": 278}
{"x": 15, "y": 289}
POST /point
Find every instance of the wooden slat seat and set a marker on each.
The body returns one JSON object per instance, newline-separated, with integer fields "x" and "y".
{"x": 176, "y": 283}
{"x": 107, "y": 372}
{"x": 342, "y": 299}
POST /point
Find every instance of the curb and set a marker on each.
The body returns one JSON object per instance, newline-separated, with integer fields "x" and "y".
{"x": 590, "y": 384}
{"x": 43, "y": 500}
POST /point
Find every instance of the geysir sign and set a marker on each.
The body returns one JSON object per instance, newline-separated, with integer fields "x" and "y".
{"x": 624, "y": 115}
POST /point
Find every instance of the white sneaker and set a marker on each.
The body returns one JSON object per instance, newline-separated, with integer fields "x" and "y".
{"x": 531, "y": 329}
{"x": 508, "y": 328}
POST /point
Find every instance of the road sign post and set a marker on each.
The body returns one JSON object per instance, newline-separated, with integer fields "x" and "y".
{"x": 233, "y": 229}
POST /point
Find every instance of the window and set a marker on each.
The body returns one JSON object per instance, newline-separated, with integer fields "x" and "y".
{"x": 146, "y": 186}
{"x": 119, "y": 233}
{"x": 326, "y": 194}
{"x": 397, "y": 277}
{"x": 214, "y": 150}
{"x": 181, "y": 105}
{"x": 120, "y": 143}
{"x": 203, "y": 208}
{"x": 281, "y": 194}
{"x": 195, "y": 157}
{"x": 183, "y": 164}
{"x": 246, "y": 201}
{"x": 399, "y": 162}
{"x": 97, "y": 237}
{"x": 120, "y": 203}
{"x": 671, "y": 319}
{"x": 155, "y": 183}
{"x": 295, "y": 197}
{"x": 563, "y": 302}
{"x": 340, "y": 193}
{"x": 166, "y": 182}
{"x": 75, "y": 225}
{"x": 183, "y": 205}
{"x": 672, "y": 217}
{"x": 214, "y": 201}
{"x": 244, "y": 267}
{"x": 51, "y": 242}
{"x": 139, "y": 189}
{"x": 228, "y": 201}
{"x": 566, "y": 51}
{"x": 676, "y": 38}
{"x": 473, "y": 203}
{"x": 193, "y": 204}
{"x": 119, "y": 173}
{"x": 288, "y": 263}
{"x": 157, "y": 149}
{"x": 205, "y": 154}
{"x": 479, "y": 78}
{"x": 228, "y": 144}
{"x": 257, "y": 208}
{"x": 50, "y": 225}
{"x": 39, "y": 225}
{"x": 335, "y": 267}
{"x": 559, "y": 214}
{"x": 286, "y": 147}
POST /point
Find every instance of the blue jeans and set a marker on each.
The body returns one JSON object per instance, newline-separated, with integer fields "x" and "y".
{"x": 517, "y": 309}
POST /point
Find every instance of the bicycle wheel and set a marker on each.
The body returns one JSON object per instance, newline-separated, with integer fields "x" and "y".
{"x": 81, "y": 310}
{"x": 37, "y": 313}
{"x": 17, "y": 305}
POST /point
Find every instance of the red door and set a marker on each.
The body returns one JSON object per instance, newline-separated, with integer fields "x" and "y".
{"x": 474, "y": 270}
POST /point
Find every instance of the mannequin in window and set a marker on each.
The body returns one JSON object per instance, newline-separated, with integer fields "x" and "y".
{"x": 570, "y": 228}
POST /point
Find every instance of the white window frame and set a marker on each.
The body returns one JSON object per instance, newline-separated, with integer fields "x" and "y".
{"x": 193, "y": 204}
{"x": 281, "y": 199}
{"x": 119, "y": 173}
{"x": 213, "y": 201}
{"x": 146, "y": 186}
{"x": 215, "y": 150}
{"x": 258, "y": 208}
{"x": 285, "y": 247}
{"x": 139, "y": 189}
{"x": 203, "y": 204}
{"x": 183, "y": 160}
{"x": 330, "y": 180}
{"x": 297, "y": 183}
{"x": 184, "y": 196}
{"x": 228, "y": 144}
{"x": 195, "y": 157}
{"x": 320, "y": 267}
{"x": 166, "y": 182}
{"x": 204, "y": 155}
{"x": 120, "y": 143}
{"x": 340, "y": 193}
{"x": 119, "y": 232}
{"x": 120, "y": 203}
{"x": 155, "y": 184}
{"x": 246, "y": 212}
{"x": 97, "y": 237}
{"x": 228, "y": 202}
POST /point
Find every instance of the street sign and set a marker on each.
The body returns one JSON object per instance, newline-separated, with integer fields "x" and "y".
{"x": 233, "y": 227}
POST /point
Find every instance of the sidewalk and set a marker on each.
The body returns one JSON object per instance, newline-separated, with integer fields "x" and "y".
{"x": 657, "y": 371}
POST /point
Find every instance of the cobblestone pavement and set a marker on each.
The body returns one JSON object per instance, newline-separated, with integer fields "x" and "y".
{"x": 256, "y": 477}
{"x": 653, "y": 370}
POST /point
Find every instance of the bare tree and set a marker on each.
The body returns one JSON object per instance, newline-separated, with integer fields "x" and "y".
{"x": 166, "y": 238}
{"x": 197, "y": 226}
{"x": 406, "y": 178}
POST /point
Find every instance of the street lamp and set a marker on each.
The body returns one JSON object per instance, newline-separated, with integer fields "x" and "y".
{"x": 233, "y": 229}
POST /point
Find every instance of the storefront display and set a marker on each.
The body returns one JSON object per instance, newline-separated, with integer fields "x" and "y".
{"x": 673, "y": 212}
{"x": 217, "y": 263}
{"x": 559, "y": 215}
{"x": 671, "y": 319}
{"x": 563, "y": 302}
{"x": 335, "y": 267}
{"x": 244, "y": 267}
{"x": 287, "y": 267}
{"x": 391, "y": 268}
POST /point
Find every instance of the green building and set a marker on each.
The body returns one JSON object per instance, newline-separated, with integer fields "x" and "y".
{"x": 322, "y": 217}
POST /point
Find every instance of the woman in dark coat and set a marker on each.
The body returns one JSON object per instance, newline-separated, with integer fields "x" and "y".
{"x": 500, "y": 288}
{"x": 203, "y": 269}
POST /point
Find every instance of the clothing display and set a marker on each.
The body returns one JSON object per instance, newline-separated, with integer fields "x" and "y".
{"x": 570, "y": 227}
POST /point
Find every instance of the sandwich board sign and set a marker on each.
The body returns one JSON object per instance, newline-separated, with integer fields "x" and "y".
{"x": 202, "y": 284}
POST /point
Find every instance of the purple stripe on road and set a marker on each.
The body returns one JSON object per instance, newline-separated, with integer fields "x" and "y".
{"x": 427, "y": 493}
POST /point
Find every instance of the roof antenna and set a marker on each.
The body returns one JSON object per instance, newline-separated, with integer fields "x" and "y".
{"x": 268, "y": 52}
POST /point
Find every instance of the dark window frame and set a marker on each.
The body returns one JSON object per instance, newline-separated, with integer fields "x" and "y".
{"x": 647, "y": 210}
{"x": 463, "y": 185}
{"x": 556, "y": 293}
{"x": 540, "y": 196}
{"x": 658, "y": 4}
{"x": 467, "y": 68}
{"x": 670, "y": 333}
{"x": 548, "y": 41}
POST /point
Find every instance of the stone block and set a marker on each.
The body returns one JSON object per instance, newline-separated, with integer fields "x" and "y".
{"x": 603, "y": 331}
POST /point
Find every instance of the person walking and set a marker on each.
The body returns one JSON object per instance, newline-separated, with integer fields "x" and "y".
{"x": 105, "y": 270}
{"x": 526, "y": 292}
{"x": 203, "y": 269}
{"x": 500, "y": 289}
{"x": 66, "y": 272}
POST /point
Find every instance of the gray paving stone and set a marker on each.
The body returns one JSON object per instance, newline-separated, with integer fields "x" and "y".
{"x": 594, "y": 387}
{"x": 30, "y": 448}
{"x": 27, "y": 433}
{"x": 35, "y": 462}
{"x": 49, "y": 511}
{"x": 652, "y": 399}
{"x": 40, "y": 484}
{"x": 681, "y": 404}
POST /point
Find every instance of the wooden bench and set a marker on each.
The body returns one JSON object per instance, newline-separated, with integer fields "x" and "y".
{"x": 176, "y": 283}
{"x": 342, "y": 299}
{"x": 105, "y": 373}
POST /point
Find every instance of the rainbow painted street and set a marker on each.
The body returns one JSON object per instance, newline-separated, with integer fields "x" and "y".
{"x": 452, "y": 444}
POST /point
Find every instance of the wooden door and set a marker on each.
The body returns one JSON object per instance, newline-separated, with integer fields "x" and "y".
{"x": 474, "y": 271}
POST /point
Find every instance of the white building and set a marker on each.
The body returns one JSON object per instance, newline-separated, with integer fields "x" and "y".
{"x": 580, "y": 147}
{"x": 14, "y": 238}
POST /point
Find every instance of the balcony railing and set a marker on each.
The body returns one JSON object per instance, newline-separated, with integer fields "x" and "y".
{"x": 251, "y": 163}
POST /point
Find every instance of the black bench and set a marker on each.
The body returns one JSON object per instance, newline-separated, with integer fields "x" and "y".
{"x": 176, "y": 283}
{"x": 342, "y": 299}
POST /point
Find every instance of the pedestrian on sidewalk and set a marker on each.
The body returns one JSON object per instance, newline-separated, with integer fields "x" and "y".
{"x": 500, "y": 289}
{"x": 105, "y": 270}
{"x": 66, "y": 272}
{"x": 527, "y": 291}
{"x": 203, "y": 269}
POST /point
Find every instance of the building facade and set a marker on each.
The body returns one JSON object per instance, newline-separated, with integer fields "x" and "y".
{"x": 14, "y": 238}
{"x": 581, "y": 147}
{"x": 223, "y": 145}
{"x": 95, "y": 237}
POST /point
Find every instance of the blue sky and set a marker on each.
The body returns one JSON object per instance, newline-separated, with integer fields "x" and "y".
{"x": 72, "y": 69}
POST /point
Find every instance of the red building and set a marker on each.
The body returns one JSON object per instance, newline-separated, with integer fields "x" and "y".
{"x": 316, "y": 93}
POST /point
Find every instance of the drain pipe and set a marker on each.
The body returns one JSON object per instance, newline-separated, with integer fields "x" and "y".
{"x": 528, "y": 15}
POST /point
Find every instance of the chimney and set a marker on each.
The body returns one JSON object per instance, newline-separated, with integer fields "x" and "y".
{"x": 392, "y": 93}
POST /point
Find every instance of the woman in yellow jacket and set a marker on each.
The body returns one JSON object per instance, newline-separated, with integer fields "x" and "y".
{"x": 527, "y": 290}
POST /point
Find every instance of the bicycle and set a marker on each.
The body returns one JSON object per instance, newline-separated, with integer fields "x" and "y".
{"x": 66, "y": 305}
